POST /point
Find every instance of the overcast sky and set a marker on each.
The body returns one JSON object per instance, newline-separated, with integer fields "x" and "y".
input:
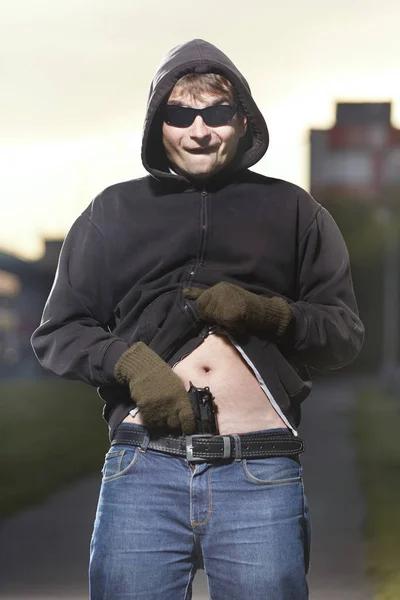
{"x": 75, "y": 76}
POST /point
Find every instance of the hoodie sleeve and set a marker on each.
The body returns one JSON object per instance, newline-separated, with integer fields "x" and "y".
{"x": 73, "y": 340}
{"x": 325, "y": 332}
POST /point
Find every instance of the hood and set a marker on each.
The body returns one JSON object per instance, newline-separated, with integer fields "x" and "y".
{"x": 198, "y": 56}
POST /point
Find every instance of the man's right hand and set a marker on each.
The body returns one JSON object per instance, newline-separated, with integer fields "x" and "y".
{"x": 156, "y": 389}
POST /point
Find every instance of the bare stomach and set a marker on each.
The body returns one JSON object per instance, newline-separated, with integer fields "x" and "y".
{"x": 242, "y": 404}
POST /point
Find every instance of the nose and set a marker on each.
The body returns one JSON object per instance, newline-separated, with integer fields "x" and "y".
{"x": 199, "y": 129}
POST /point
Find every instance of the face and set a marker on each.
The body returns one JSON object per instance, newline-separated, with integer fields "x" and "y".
{"x": 199, "y": 151}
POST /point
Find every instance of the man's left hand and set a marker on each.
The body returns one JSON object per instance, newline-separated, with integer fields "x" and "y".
{"x": 238, "y": 310}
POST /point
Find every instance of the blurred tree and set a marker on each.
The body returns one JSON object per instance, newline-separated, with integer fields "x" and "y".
{"x": 365, "y": 235}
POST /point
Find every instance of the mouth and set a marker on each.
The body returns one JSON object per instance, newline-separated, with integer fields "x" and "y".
{"x": 207, "y": 150}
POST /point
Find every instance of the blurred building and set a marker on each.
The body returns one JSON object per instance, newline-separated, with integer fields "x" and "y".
{"x": 24, "y": 288}
{"x": 359, "y": 156}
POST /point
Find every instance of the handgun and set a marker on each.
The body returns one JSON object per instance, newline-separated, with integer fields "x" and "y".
{"x": 204, "y": 408}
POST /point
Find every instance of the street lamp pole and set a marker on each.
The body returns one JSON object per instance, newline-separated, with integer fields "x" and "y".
{"x": 390, "y": 297}
{"x": 390, "y": 341}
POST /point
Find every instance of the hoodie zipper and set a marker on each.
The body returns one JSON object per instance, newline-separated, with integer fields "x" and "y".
{"x": 262, "y": 383}
{"x": 204, "y": 333}
{"x": 203, "y": 236}
{"x": 202, "y": 336}
{"x": 204, "y": 224}
{"x": 203, "y": 231}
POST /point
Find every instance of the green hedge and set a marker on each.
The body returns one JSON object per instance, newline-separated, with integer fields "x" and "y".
{"x": 377, "y": 432}
{"x": 51, "y": 433}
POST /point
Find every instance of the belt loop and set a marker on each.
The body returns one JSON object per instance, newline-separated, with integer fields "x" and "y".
{"x": 238, "y": 447}
{"x": 145, "y": 443}
{"x": 227, "y": 446}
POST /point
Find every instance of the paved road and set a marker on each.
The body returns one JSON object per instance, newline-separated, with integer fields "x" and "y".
{"x": 338, "y": 557}
{"x": 44, "y": 551}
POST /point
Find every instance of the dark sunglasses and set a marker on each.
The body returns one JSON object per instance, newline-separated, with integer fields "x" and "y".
{"x": 213, "y": 116}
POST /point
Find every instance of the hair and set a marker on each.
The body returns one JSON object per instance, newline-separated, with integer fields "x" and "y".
{"x": 195, "y": 84}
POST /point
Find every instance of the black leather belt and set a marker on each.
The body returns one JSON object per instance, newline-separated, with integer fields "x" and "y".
{"x": 201, "y": 447}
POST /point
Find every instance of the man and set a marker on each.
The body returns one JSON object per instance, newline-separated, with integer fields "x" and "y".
{"x": 207, "y": 281}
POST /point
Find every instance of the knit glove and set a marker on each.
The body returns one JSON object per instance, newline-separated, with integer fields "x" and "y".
{"x": 156, "y": 389}
{"x": 238, "y": 310}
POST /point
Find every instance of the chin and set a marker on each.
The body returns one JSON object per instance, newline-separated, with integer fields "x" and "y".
{"x": 203, "y": 171}
{"x": 202, "y": 174}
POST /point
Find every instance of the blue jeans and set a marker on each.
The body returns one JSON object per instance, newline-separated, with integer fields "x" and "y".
{"x": 159, "y": 518}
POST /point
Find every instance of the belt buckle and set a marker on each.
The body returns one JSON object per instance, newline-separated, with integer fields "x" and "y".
{"x": 189, "y": 447}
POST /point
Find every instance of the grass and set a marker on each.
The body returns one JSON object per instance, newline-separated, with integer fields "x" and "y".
{"x": 51, "y": 433}
{"x": 377, "y": 430}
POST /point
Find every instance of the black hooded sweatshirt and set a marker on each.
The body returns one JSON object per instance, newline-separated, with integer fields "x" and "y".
{"x": 128, "y": 256}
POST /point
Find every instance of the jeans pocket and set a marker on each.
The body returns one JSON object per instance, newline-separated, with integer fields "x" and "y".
{"x": 119, "y": 462}
{"x": 276, "y": 470}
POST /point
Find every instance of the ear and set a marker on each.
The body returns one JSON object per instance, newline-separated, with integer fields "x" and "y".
{"x": 243, "y": 123}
